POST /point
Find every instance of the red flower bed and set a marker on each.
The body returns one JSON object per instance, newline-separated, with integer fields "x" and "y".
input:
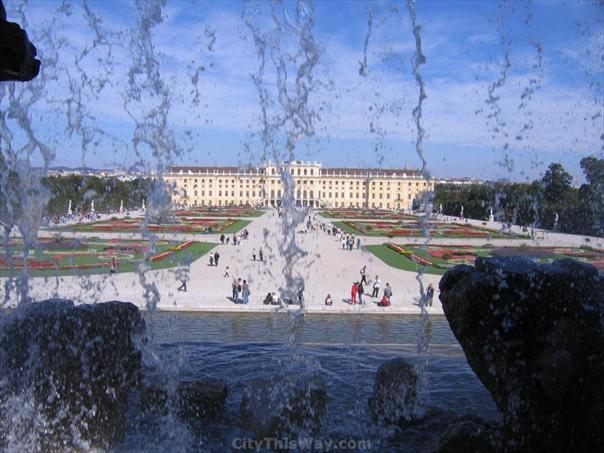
{"x": 162, "y": 256}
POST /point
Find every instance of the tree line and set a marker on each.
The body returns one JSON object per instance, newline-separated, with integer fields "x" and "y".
{"x": 536, "y": 204}
{"x": 107, "y": 193}
{"x": 25, "y": 193}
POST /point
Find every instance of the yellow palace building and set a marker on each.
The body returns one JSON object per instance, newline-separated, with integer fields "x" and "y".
{"x": 314, "y": 186}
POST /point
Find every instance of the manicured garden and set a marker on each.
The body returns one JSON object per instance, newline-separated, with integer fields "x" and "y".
{"x": 360, "y": 214}
{"x": 184, "y": 224}
{"x": 414, "y": 229}
{"x": 436, "y": 259}
{"x": 222, "y": 211}
{"x": 54, "y": 257}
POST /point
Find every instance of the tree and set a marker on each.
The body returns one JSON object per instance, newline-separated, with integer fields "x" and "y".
{"x": 556, "y": 183}
{"x": 593, "y": 168}
{"x": 590, "y": 204}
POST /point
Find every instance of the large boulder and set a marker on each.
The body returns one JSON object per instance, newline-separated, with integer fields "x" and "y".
{"x": 467, "y": 434}
{"x": 283, "y": 406}
{"x": 394, "y": 397}
{"x": 534, "y": 335}
{"x": 203, "y": 399}
{"x": 66, "y": 372}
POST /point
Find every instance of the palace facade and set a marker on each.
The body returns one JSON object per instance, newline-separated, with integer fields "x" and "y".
{"x": 314, "y": 186}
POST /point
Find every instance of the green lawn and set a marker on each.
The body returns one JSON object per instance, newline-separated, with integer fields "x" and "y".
{"x": 236, "y": 227}
{"x": 350, "y": 230}
{"x": 394, "y": 259}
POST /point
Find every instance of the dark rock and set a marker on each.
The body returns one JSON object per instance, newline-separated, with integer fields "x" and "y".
{"x": 283, "y": 406}
{"x": 204, "y": 399}
{"x": 534, "y": 335}
{"x": 154, "y": 398}
{"x": 17, "y": 53}
{"x": 193, "y": 400}
{"x": 73, "y": 366}
{"x": 467, "y": 434}
{"x": 394, "y": 395}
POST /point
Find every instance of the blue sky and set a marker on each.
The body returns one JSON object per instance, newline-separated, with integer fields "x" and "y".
{"x": 549, "y": 107}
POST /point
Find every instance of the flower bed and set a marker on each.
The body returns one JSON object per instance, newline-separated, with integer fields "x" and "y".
{"x": 416, "y": 229}
{"x": 439, "y": 258}
{"x": 95, "y": 255}
{"x": 187, "y": 225}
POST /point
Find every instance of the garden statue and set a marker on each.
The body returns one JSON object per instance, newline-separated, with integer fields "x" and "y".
{"x": 92, "y": 207}
{"x": 491, "y": 217}
{"x": 69, "y": 210}
{"x": 143, "y": 205}
{"x": 121, "y": 206}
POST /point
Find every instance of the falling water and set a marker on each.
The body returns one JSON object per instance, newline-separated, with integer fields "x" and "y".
{"x": 287, "y": 52}
{"x": 423, "y": 342}
{"x": 20, "y": 148}
{"x": 147, "y": 102}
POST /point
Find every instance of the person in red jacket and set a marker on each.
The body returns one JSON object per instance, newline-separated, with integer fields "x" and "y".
{"x": 353, "y": 293}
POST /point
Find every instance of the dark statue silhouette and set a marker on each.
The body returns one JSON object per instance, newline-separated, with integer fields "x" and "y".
{"x": 17, "y": 53}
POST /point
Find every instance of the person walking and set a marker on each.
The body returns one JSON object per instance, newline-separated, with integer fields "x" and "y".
{"x": 216, "y": 257}
{"x": 239, "y": 290}
{"x": 254, "y": 254}
{"x": 376, "y": 287}
{"x": 388, "y": 292}
{"x": 363, "y": 273}
{"x": 113, "y": 268}
{"x": 211, "y": 259}
{"x": 245, "y": 291}
{"x": 353, "y": 293}
{"x": 358, "y": 243}
{"x": 234, "y": 289}
{"x": 360, "y": 290}
{"x": 261, "y": 254}
{"x": 222, "y": 239}
{"x": 429, "y": 294}
{"x": 300, "y": 295}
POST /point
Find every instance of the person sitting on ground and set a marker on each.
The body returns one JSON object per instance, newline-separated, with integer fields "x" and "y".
{"x": 268, "y": 300}
{"x": 328, "y": 300}
{"x": 275, "y": 300}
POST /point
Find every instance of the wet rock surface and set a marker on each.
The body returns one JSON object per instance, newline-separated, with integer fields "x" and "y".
{"x": 394, "y": 395}
{"x": 534, "y": 335}
{"x": 67, "y": 371}
{"x": 283, "y": 406}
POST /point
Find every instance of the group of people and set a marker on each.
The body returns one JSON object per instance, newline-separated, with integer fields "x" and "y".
{"x": 235, "y": 239}
{"x": 214, "y": 257}
{"x": 259, "y": 254}
{"x": 240, "y": 291}
{"x": 358, "y": 289}
{"x": 347, "y": 241}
